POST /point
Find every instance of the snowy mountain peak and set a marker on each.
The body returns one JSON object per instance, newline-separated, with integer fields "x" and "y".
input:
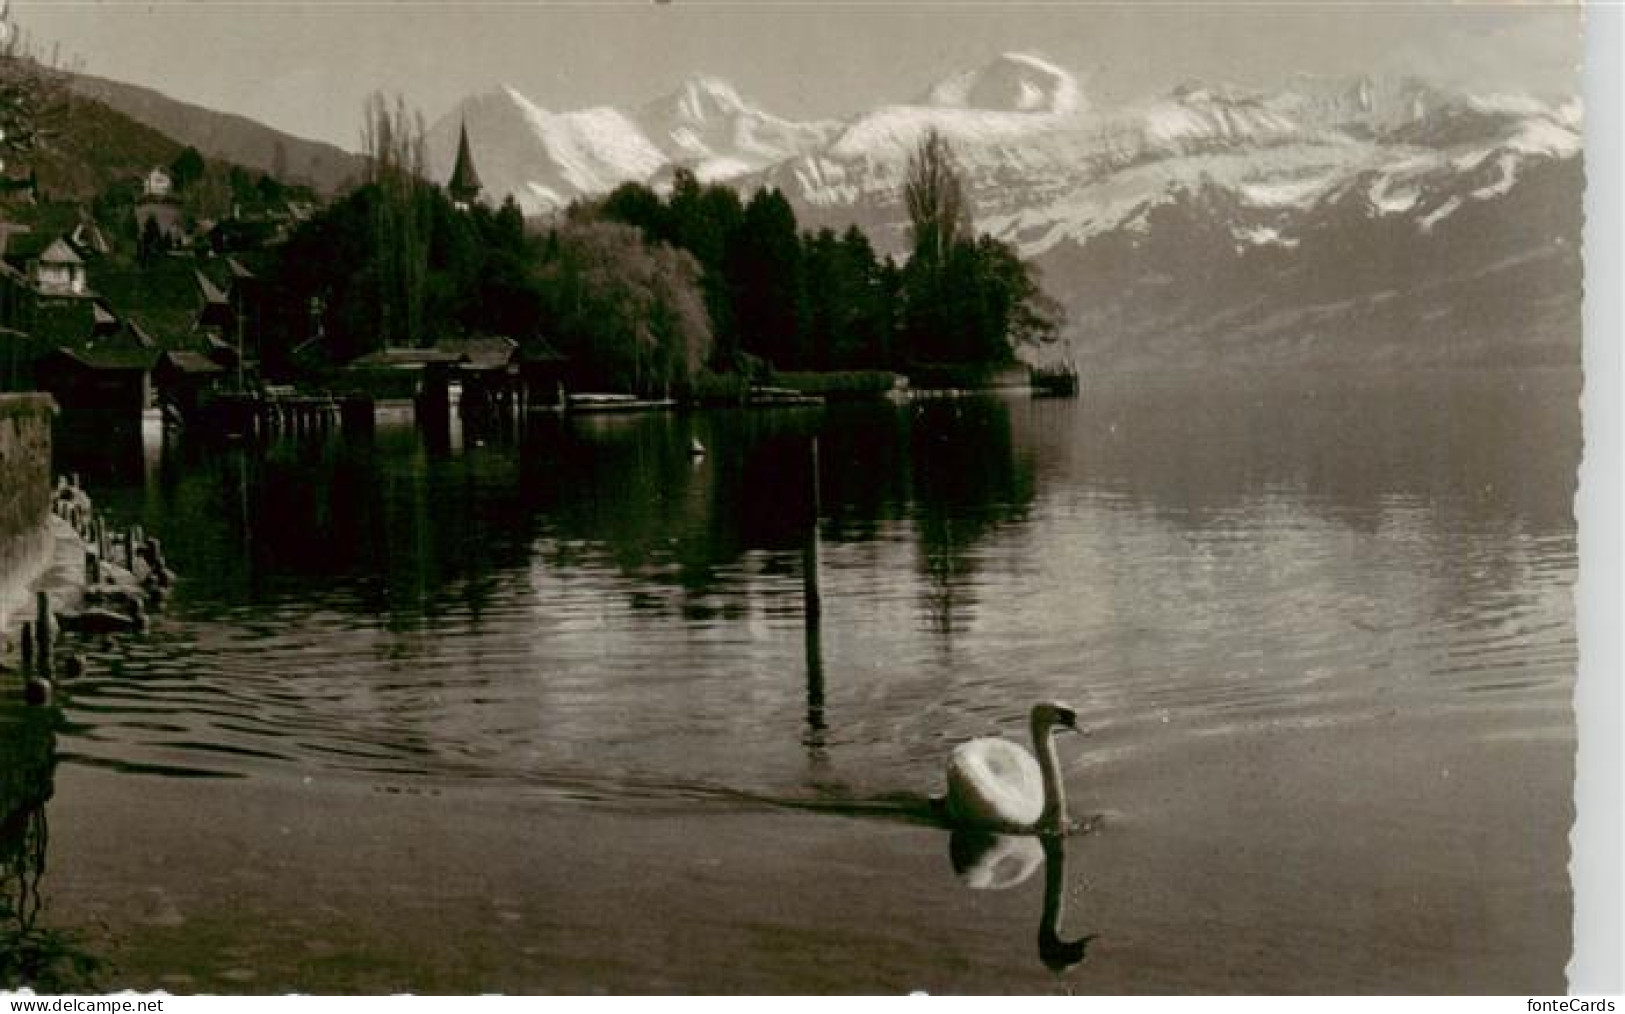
{"x": 1012, "y": 83}
{"x": 542, "y": 158}
{"x": 707, "y": 127}
{"x": 702, "y": 98}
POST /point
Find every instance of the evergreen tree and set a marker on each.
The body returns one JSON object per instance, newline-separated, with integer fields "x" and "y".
{"x": 152, "y": 242}
{"x": 186, "y": 169}
{"x": 865, "y": 341}
{"x": 636, "y": 205}
{"x": 764, "y": 272}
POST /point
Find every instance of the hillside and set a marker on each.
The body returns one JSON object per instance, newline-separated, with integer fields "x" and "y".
{"x": 93, "y": 146}
{"x": 228, "y": 137}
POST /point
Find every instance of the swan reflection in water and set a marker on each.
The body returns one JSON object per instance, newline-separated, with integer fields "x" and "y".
{"x": 985, "y": 861}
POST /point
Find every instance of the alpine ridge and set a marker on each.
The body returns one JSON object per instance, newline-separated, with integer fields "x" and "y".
{"x": 1217, "y": 190}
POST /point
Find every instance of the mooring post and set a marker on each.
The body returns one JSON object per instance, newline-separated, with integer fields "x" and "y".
{"x": 129, "y": 550}
{"x": 160, "y": 570}
{"x": 44, "y": 632}
{"x": 809, "y": 552}
{"x": 26, "y": 649}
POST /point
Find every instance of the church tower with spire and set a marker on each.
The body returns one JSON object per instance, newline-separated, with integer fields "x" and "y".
{"x": 464, "y": 186}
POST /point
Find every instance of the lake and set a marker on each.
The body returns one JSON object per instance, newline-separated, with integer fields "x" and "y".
{"x": 544, "y": 709}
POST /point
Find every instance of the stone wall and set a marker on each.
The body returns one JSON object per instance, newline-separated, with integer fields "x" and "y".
{"x": 25, "y": 499}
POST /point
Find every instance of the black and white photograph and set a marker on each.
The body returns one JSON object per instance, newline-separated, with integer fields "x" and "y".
{"x": 875, "y": 497}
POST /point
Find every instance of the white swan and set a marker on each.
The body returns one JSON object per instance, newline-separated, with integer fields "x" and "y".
{"x": 993, "y": 783}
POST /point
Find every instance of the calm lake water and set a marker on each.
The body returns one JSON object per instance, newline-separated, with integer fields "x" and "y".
{"x": 544, "y": 711}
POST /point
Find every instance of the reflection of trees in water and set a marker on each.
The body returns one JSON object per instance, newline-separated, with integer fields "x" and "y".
{"x": 398, "y": 528}
{"x": 629, "y": 486}
{"x": 31, "y": 954}
{"x": 403, "y": 528}
{"x": 968, "y": 478}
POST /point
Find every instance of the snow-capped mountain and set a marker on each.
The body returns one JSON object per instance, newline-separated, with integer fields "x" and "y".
{"x": 543, "y": 159}
{"x": 1314, "y": 180}
{"x": 1059, "y": 174}
{"x": 547, "y": 159}
{"x": 707, "y": 128}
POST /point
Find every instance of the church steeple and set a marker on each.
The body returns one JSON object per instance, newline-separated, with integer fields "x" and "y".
{"x": 464, "y": 186}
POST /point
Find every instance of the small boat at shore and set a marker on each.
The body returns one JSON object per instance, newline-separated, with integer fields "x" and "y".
{"x": 617, "y": 403}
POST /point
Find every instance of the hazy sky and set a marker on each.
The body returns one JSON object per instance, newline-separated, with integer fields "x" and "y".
{"x": 306, "y": 67}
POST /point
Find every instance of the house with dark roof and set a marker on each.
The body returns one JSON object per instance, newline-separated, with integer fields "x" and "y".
{"x": 47, "y": 261}
{"x": 182, "y": 379}
{"x": 44, "y": 289}
{"x": 102, "y": 388}
{"x": 482, "y": 355}
{"x": 168, "y": 297}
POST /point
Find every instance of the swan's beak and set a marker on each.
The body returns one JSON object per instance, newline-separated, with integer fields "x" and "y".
{"x": 1067, "y": 718}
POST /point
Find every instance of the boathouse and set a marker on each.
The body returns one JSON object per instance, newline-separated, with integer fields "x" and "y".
{"x": 182, "y": 379}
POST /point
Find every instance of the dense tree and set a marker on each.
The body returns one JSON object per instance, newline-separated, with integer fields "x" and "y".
{"x": 152, "y": 243}
{"x": 938, "y": 213}
{"x": 967, "y": 299}
{"x": 849, "y": 308}
{"x": 934, "y": 326}
{"x": 764, "y": 271}
{"x": 187, "y": 168}
{"x": 636, "y": 205}
{"x": 393, "y": 143}
{"x": 706, "y": 221}
{"x": 627, "y": 311}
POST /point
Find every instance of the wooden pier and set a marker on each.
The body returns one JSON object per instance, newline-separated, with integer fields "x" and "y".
{"x": 281, "y": 411}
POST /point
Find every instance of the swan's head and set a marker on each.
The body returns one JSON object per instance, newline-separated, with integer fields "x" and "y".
{"x": 1050, "y": 715}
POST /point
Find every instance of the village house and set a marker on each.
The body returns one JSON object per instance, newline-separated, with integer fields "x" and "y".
{"x": 45, "y": 297}
{"x": 157, "y": 183}
{"x": 48, "y": 262}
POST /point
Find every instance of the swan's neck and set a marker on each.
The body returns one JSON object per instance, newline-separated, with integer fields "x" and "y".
{"x": 1049, "y": 767}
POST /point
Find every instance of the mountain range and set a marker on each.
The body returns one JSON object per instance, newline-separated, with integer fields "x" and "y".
{"x": 1326, "y": 220}
{"x": 1345, "y": 220}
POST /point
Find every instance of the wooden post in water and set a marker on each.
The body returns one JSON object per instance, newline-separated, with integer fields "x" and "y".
{"x": 813, "y": 628}
{"x": 44, "y": 632}
{"x": 809, "y": 552}
{"x": 813, "y": 645}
